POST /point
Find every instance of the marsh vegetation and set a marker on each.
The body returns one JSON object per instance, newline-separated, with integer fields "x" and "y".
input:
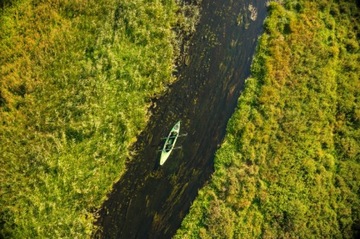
{"x": 76, "y": 81}
{"x": 290, "y": 165}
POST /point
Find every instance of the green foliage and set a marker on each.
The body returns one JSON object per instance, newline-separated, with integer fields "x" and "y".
{"x": 290, "y": 165}
{"x": 76, "y": 78}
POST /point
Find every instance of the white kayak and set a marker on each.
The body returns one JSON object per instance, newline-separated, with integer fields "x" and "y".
{"x": 170, "y": 143}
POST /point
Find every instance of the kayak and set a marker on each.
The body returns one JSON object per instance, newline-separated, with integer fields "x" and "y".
{"x": 170, "y": 143}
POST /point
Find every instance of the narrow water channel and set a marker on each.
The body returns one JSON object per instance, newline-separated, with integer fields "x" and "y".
{"x": 150, "y": 201}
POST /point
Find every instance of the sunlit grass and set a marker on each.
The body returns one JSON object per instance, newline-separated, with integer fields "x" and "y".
{"x": 76, "y": 81}
{"x": 289, "y": 166}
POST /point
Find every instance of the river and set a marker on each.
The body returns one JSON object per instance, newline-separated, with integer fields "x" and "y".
{"x": 150, "y": 201}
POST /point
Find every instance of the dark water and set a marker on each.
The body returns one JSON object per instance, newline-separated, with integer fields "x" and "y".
{"x": 151, "y": 201}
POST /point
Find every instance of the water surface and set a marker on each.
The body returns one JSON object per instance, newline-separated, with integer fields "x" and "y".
{"x": 151, "y": 201}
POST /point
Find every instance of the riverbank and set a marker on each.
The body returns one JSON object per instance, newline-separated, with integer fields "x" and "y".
{"x": 289, "y": 166}
{"x": 76, "y": 83}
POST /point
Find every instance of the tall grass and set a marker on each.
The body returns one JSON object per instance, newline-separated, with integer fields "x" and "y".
{"x": 289, "y": 166}
{"x": 75, "y": 82}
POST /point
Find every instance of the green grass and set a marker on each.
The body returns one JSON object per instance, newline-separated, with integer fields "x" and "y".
{"x": 76, "y": 81}
{"x": 290, "y": 165}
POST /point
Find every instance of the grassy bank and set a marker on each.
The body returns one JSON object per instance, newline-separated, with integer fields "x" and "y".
{"x": 76, "y": 79}
{"x": 290, "y": 163}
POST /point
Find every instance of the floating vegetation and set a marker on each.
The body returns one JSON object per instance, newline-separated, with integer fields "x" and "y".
{"x": 253, "y": 12}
